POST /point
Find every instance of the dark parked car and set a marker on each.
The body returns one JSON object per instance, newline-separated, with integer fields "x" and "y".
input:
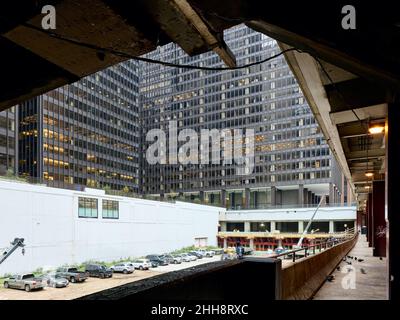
{"x": 196, "y": 254}
{"x": 156, "y": 260}
{"x": 72, "y": 274}
{"x": 171, "y": 259}
{"x": 98, "y": 271}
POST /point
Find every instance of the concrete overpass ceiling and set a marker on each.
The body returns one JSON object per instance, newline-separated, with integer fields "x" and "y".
{"x": 87, "y": 35}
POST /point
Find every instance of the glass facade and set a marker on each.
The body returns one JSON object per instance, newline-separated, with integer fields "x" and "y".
{"x": 289, "y": 146}
{"x": 8, "y": 131}
{"x": 84, "y": 134}
{"x": 93, "y": 132}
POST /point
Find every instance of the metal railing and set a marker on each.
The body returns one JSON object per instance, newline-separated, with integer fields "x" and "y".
{"x": 322, "y": 245}
{"x": 287, "y": 206}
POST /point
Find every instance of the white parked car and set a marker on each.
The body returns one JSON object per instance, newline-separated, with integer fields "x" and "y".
{"x": 124, "y": 267}
{"x": 187, "y": 257}
{"x": 142, "y": 264}
{"x": 177, "y": 258}
{"x": 206, "y": 253}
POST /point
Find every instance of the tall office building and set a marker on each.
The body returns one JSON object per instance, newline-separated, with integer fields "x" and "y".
{"x": 8, "y": 141}
{"x": 84, "y": 134}
{"x": 293, "y": 164}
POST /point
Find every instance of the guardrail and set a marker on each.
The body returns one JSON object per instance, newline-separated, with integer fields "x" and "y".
{"x": 262, "y": 206}
{"x": 322, "y": 245}
{"x": 256, "y": 234}
{"x": 302, "y": 279}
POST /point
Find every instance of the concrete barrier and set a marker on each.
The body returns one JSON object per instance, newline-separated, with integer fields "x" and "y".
{"x": 223, "y": 280}
{"x": 302, "y": 279}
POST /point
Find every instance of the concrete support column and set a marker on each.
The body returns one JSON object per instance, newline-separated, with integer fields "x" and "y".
{"x": 225, "y": 243}
{"x": 342, "y": 194}
{"x": 279, "y": 242}
{"x": 370, "y": 222}
{"x": 223, "y": 226}
{"x": 223, "y": 198}
{"x": 247, "y": 198}
{"x": 301, "y": 226}
{"x": 334, "y": 195}
{"x": 349, "y": 194}
{"x": 331, "y": 226}
{"x": 251, "y": 240}
{"x": 273, "y": 196}
{"x": 201, "y": 196}
{"x": 246, "y": 226}
{"x": 273, "y": 226}
{"x": 392, "y": 174}
{"x": 331, "y": 193}
{"x": 378, "y": 211}
{"x": 309, "y": 197}
{"x": 255, "y": 199}
{"x": 301, "y": 195}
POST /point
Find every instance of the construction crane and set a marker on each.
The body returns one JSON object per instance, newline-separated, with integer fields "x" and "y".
{"x": 16, "y": 243}
{"x": 323, "y": 198}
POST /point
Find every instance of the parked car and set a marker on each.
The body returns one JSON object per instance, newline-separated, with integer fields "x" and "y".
{"x": 124, "y": 267}
{"x": 178, "y": 258}
{"x": 98, "y": 271}
{"x": 157, "y": 260}
{"x": 142, "y": 264}
{"x": 196, "y": 254}
{"x": 72, "y": 274}
{"x": 171, "y": 259}
{"x": 27, "y": 282}
{"x": 188, "y": 257}
{"x": 54, "y": 280}
{"x": 218, "y": 251}
{"x": 206, "y": 253}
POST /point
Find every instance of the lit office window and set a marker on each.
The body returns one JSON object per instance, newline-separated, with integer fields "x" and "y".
{"x": 110, "y": 209}
{"x": 87, "y": 208}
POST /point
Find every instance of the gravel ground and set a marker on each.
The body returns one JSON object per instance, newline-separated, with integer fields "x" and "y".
{"x": 91, "y": 285}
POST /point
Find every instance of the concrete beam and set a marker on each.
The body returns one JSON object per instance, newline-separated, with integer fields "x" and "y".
{"x": 374, "y": 112}
{"x": 218, "y": 45}
{"x": 360, "y": 155}
{"x": 306, "y": 70}
{"x": 354, "y": 94}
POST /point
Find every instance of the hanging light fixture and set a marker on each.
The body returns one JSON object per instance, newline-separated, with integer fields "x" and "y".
{"x": 376, "y": 129}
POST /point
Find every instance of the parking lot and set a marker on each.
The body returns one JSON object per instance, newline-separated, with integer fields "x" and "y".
{"x": 91, "y": 285}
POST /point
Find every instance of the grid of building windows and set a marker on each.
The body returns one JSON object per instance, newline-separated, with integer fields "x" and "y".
{"x": 8, "y": 156}
{"x": 86, "y": 133}
{"x": 289, "y": 146}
